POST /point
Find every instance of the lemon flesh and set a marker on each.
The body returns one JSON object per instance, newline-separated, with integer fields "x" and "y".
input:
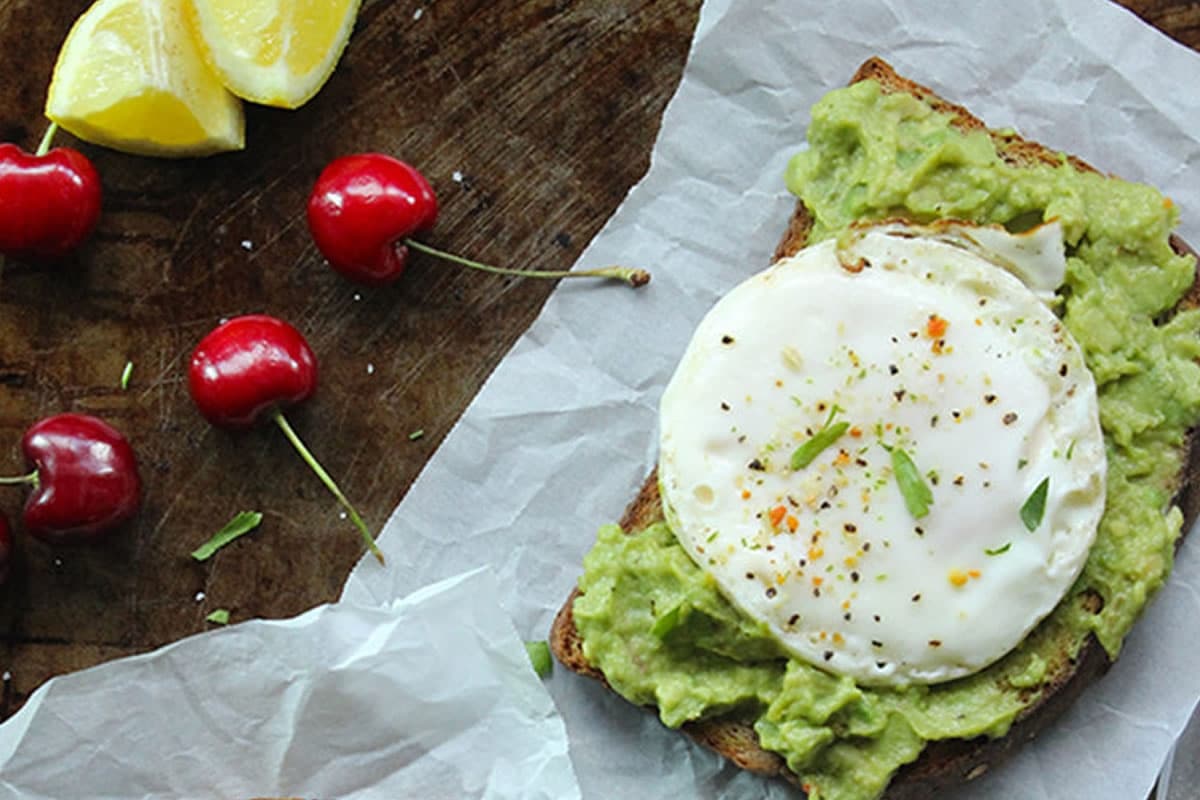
{"x": 274, "y": 52}
{"x": 130, "y": 77}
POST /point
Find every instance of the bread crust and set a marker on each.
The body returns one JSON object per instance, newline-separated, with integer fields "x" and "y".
{"x": 946, "y": 763}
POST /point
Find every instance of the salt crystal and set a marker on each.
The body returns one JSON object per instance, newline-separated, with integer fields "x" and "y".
{"x": 6, "y": 677}
{"x": 357, "y": 297}
{"x": 247, "y": 244}
{"x": 199, "y": 596}
{"x": 457, "y": 177}
{"x": 417, "y": 14}
{"x": 370, "y": 369}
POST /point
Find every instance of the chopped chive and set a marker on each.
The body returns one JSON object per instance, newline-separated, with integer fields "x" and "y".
{"x": 242, "y": 523}
{"x": 126, "y": 374}
{"x": 667, "y": 622}
{"x": 1035, "y": 507}
{"x": 1070, "y": 449}
{"x": 1021, "y": 462}
{"x": 417, "y": 434}
{"x": 218, "y": 617}
{"x": 805, "y": 453}
{"x": 918, "y": 497}
{"x": 995, "y": 551}
{"x": 539, "y": 658}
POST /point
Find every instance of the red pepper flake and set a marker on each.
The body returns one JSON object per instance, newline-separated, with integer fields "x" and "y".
{"x": 935, "y": 328}
{"x": 792, "y": 523}
{"x": 776, "y": 515}
{"x": 856, "y": 432}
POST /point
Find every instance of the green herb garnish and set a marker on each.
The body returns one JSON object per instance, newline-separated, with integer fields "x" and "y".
{"x": 1035, "y": 507}
{"x": 243, "y": 523}
{"x": 830, "y": 433}
{"x": 667, "y": 622}
{"x": 417, "y": 434}
{"x": 995, "y": 551}
{"x": 918, "y": 497}
{"x": 539, "y": 657}
{"x": 126, "y": 374}
{"x": 218, "y": 617}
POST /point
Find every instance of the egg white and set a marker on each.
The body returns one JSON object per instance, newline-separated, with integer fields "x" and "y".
{"x": 924, "y": 346}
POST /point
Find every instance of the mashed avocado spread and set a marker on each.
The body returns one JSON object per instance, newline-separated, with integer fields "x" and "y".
{"x": 662, "y": 633}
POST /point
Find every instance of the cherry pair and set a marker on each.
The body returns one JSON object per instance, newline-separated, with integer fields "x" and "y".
{"x": 362, "y": 213}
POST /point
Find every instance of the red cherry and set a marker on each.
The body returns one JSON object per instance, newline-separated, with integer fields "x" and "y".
{"x": 85, "y": 478}
{"x": 247, "y": 366}
{"x": 5, "y": 548}
{"x": 49, "y": 201}
{"x": 361, "y": 210}
{"x": 364, "y": 209}
{"x": 256, "y": 365}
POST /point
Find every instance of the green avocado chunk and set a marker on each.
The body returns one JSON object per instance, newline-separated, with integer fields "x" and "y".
{"x": 663, "y": 634}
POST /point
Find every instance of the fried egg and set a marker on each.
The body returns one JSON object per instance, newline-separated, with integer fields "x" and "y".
{"x": 887, "y": 449}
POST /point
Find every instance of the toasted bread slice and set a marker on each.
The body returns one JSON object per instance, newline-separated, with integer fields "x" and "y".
{"x": 946, "y": 763}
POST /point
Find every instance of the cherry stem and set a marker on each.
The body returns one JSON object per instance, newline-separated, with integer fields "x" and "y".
{"x": 48, "y": 137}
{"x": 633, "y": 277}
{"x": 316, "y": 467}
{"x": 21, "y": 480}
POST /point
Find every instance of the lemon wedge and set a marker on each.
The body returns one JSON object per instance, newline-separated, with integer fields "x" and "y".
{"x": 130, "y": 77}
{"x": 273, "y": 52}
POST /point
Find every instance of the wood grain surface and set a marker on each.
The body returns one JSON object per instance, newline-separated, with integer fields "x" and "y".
{"x": 546, "y": 110}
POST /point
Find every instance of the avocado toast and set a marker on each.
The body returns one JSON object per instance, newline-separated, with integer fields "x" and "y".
{"x": 860, "y": 741}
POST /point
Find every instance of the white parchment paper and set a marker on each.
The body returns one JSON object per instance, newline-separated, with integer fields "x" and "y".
{"x": 431, "y": 696}
{"x": 564, "y": 431}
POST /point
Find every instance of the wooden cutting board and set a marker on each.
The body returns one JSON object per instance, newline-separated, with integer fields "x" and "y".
{"x": 531, "y": 118}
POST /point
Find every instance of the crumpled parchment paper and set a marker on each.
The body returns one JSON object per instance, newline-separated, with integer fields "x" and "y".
{"x": 564, "y": 431}
{"x": 431, "y": 696}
